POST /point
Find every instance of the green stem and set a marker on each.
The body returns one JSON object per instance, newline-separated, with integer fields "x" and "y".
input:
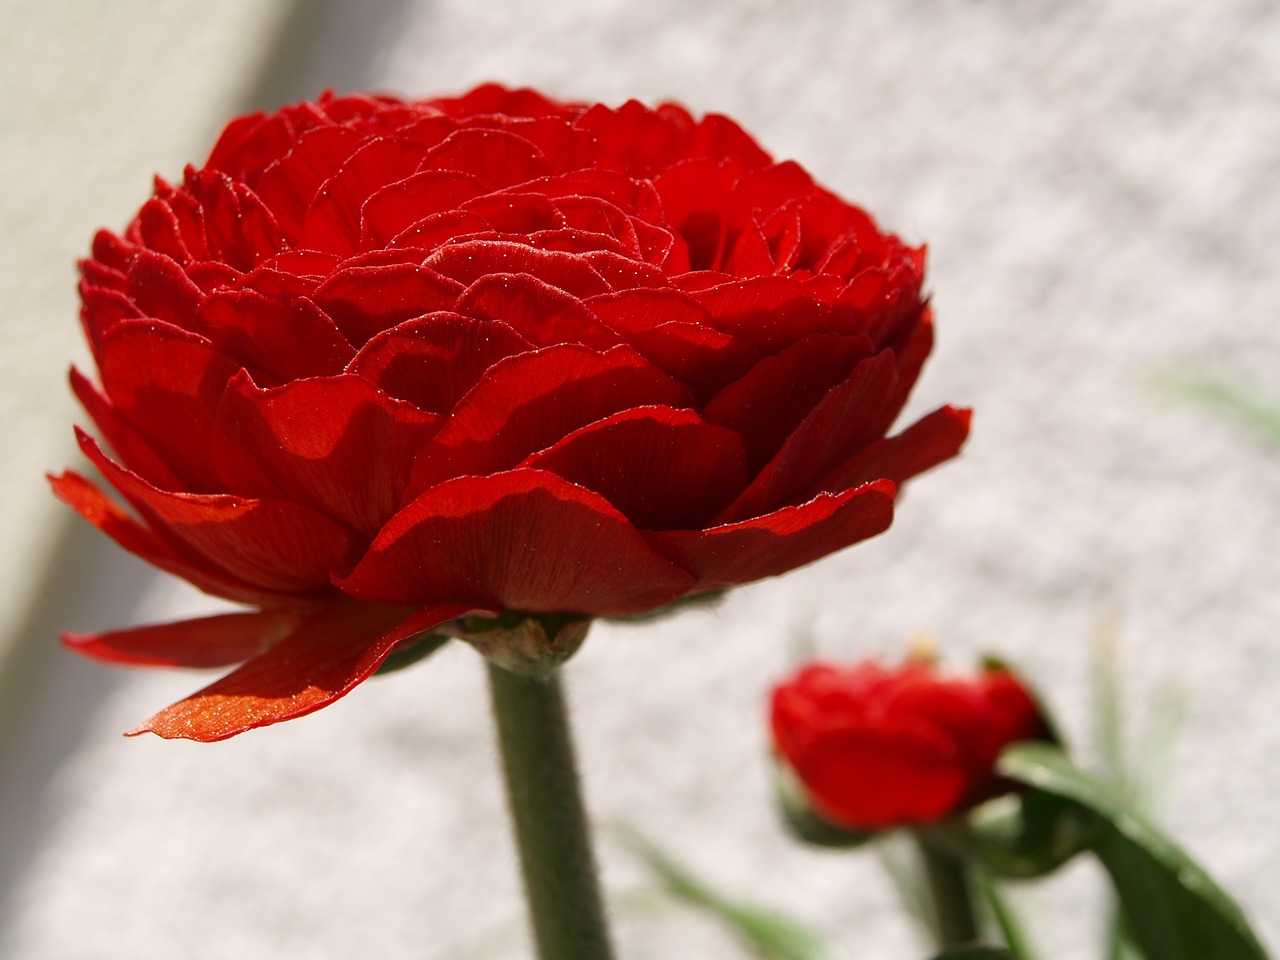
{"x": 550, "y": 822}
{"x": 950, "y": 895}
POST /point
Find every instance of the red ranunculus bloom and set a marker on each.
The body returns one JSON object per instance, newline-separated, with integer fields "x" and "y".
{"x": 875, "y": 748}
{"x": 379, "y": 363}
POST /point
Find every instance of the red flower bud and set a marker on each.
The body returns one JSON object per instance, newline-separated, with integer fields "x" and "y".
{"x": 492, "y": 353}
{"x": 875, "y": 748}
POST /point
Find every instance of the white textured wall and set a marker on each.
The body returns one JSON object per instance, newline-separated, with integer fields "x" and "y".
{"x": 1097, "y": 186}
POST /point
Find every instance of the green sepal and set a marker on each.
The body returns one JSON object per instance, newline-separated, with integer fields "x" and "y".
{"x": 806, "y": 824}
{"x": 530, "y": 644}
{"x": 1026, "y": 835}
{"x": 408, "y": 656}
{"x": 1171, "y": 907}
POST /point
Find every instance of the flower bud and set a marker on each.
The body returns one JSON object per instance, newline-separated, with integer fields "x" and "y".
{"x": 874, "y": 748}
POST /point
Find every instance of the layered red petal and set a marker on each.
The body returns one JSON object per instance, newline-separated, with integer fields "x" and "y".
{"x": 528, "y": 402}
{"x": 336, "y": 444}
{"x": 765, "y": 546}
{"x": 101, "y": 511}
{"x": 274, "y": 545}
{"x": 522, "y": 540}
{"x": 664, "y": 468}
{"x": 167, "y": 383}
{"x": 332, "y": 650}
{"x": 433, "y": 361}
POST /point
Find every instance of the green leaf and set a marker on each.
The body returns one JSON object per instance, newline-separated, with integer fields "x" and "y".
{"x": 1244, "y": 406}
{"x": 1006, "y": 918}
{"x": 1031, "y": 834}
{"x": 1172, "y": 909}
{"x": 975, "y": 953}
{"x": 772, "y": 935}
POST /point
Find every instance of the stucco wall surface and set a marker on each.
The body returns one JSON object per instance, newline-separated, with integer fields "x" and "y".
{"x": 1096, "y": 183}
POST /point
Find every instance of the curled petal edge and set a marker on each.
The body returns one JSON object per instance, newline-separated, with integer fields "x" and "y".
{"x": 217, "y": 641}
{"x": 774, "y": 543}
{"x": 332, "y": 651}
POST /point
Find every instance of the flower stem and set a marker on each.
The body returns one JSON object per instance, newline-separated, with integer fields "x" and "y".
{"x": 950, "y": 894}
{"x": 550, "y": 823}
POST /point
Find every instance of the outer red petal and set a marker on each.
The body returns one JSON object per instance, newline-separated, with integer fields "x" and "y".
{"x": 167, "y": 382}
{"x": 208, "y": 642}
{"x": 925, "y": 444}
{"x": 333, "y": 650}
{"x": 850, "y": 417}
{"x": 520, "y": 540}
{"x": 767, "y": 404}
{"x": 130, "y": 446}
{"x": 100, "y": 510}
{"x": 275, "y": 545}
{"x": 766, "y": 546}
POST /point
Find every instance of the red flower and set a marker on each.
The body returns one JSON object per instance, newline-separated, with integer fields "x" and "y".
{"x": 876, "y": 748}
{"x": 380, "y": 363}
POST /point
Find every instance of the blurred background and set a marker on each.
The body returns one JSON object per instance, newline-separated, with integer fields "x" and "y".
{"x": 1097, "y": 185}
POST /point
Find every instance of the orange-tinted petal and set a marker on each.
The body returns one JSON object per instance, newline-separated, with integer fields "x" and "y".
{"x": 332, "y": 651}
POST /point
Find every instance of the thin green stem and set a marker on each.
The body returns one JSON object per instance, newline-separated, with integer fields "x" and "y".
{"x": 550, "y": 822}
{"x": 950, "y": 895}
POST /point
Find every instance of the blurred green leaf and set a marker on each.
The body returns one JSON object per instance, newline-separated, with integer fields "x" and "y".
{"x": 1136, "y": 776}
{"x": 1007, "y": 921}
{"x": 1108, "y": 706}
{"x": 1245, "y": 406}
{"x": 770, "y": 934}
{"x": 976, "y": 953}
{"x": 1172, "y": 909}
{"x": 1030, "y": 834}
{"x": 1120, "y": 945}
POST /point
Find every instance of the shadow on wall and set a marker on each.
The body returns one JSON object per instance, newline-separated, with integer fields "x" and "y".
{"x": 48, "y": 696}
{"x": 327, "y": 45}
